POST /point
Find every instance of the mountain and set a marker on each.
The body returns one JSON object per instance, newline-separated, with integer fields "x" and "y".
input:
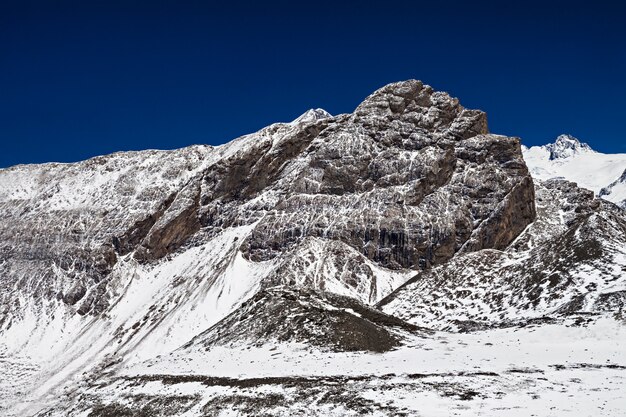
{"x": 568, "y": 158}
{"x": 383, "y": 262}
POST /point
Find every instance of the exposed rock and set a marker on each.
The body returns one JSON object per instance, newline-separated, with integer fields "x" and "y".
{"x": 75, "y": 293}
{"x": 386, "y": 170}
{"x": 325, "y": 320}
{"x": 62, "y": 226}
{"x": 172, "y": 229}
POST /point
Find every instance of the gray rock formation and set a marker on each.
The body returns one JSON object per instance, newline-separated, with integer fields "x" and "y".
{"x": 373, "y": 179}
{"x": 63, "y": 227}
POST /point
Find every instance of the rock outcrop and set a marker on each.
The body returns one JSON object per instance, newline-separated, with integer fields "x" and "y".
{"x": 408, "y": 180}
{"x": 325, "y": 320}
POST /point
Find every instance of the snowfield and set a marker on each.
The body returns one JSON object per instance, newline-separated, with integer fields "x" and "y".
{"x": 576, "y": 367}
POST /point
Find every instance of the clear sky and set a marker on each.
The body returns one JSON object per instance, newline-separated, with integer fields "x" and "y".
{"x": 84, "y": 78}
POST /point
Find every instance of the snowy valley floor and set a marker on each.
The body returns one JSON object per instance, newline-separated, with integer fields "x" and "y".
{"x": 576, "y": 367}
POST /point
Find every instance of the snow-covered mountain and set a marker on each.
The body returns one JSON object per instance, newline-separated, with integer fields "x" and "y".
{"x": 572, "y": 258}
{"x": 327, "y": 266}
{"x": 568, "y": 158}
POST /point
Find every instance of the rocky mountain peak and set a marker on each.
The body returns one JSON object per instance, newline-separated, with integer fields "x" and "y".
{"x": 566, "y": 146}
{"x": 426, "y": 109}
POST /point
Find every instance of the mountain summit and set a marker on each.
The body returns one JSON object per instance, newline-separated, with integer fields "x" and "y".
{"x": 567, "y": 146}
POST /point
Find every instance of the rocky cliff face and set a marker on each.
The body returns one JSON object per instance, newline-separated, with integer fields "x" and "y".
{"x": 124, "y": 257}
{"x": 371, "y": 180}
{"x": 572, "y": 259}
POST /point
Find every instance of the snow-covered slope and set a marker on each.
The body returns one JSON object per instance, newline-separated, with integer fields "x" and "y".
{"x": 563, "y": 368}
{"x": 568, "y": 158}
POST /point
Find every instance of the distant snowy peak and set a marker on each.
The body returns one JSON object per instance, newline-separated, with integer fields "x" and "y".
{"x": 573, "y": 160}
{"x": 312, "y": 115}
{"x": 567, "y": 146}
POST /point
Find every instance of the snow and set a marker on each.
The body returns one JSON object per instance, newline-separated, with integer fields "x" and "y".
{"x": 96, "y": 182}
{"x": 534, "y": 347}
{"x": 552, "y": 369}
{"x": 311, "y": 115}
{"x": 158, "y": 309}
{"x": 330, "y": 265}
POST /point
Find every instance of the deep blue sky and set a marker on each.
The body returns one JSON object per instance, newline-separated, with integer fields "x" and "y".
{"x": 84, "y": 78}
